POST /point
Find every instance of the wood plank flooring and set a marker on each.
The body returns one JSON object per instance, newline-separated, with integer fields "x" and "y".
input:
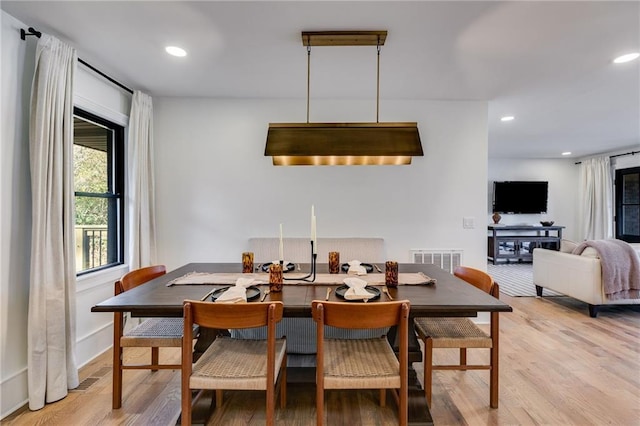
{"x": 558, "y": 366}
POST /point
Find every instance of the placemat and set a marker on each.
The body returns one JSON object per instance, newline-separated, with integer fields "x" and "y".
{"x": 195, "y": 278}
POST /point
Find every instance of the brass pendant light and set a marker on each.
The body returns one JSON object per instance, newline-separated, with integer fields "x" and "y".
{"x": 391, "y": 143}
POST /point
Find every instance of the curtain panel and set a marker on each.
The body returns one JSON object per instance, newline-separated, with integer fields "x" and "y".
{"x": 52, "y": 367}
{"x": 596, "y": 199}
{"x": 142, "y": 219}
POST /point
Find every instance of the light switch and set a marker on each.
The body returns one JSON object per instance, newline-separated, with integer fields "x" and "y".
{"x": 468, "y": 222}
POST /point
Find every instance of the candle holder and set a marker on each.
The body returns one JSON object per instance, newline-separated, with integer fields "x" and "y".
{"x": 334, "y": 262}
{"x": 391, "y": 273}
{"x": 311, "y": 277}
{"x": 247, "y": 262}
{"x": 275, "y": 277}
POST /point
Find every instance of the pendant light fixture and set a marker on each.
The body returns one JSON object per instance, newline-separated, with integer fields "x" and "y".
{"x": 365, "y": 143}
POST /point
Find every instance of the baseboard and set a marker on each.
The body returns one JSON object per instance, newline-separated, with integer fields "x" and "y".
{"x": 93, "y": 345}
{"x": 14, "y": 392}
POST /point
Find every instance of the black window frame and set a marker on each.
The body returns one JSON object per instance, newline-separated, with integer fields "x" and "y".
{"x": 116, "y": 190}
{"x": 619, "y": 204}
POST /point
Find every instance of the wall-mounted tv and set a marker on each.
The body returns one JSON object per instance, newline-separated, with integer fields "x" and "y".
{"x": 520, "y": 197}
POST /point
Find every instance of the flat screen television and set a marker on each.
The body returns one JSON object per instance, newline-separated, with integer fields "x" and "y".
{"x": 520, "y": 197}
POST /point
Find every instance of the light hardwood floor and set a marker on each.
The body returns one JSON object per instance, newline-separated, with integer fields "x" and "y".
{"x": 558, "y": 367}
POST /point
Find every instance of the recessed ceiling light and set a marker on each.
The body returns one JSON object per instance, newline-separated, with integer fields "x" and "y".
{"x": 175, "y": 51}
{"x": 626, "y": 58}
{"x": 566, "y": 153}
{"x": 507, "y": 118}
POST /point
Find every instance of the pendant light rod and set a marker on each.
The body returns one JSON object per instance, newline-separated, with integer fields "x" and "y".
{"x": 308, "y": 77}
{"x": 378, "y": 85}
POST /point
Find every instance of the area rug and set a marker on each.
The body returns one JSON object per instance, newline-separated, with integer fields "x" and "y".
{"x": 515, "y": 279}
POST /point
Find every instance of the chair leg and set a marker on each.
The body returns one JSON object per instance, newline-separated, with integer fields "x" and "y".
{"x": 403, "y": 405}
{"x": 218, "y": 398}
{"x": 463, "y": 356}
{"x": 319, "y": 406}
{"x": 494, "y": 372}
{"x": 212, "y": 405}
{"x": 155, "y": 356}
{"x": 271, "y": 407}
{"x": 271, "y": 403}
{"x": 428, "y": 368}
{"x": 493, "y": 382}
{"x": 185, "y": 416}
{"x": 383, "y": 397}
{"x": 117, "y": 361}
{"x": 283, "y": 384}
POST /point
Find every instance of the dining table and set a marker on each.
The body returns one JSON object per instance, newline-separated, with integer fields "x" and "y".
{"x": 441, "y": 294}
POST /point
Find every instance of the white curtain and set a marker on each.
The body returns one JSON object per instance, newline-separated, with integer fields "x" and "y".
{"x": 142, "y": 222}
{"x": 596, "y": 199}
{"x": 52, "y": 311}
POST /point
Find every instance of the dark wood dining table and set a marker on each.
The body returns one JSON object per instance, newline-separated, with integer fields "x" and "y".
{"x": 449, "y": 296}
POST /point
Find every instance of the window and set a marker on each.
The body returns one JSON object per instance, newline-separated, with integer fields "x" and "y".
{"x": 628, "y": 205}
{"x": 98, "y": 156}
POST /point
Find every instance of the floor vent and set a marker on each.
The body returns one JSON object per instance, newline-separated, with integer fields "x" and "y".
{"x": 447, "y": 259}
{"x": 86, "y": 384}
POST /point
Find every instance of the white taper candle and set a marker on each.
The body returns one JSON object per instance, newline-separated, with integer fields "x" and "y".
{"x": 281, "y": 251}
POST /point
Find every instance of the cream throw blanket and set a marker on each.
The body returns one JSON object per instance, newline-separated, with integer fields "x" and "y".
{"x": 620, "y": 267}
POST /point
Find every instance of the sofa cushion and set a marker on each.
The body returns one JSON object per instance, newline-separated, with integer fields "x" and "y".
{"x": 567, "y": 246}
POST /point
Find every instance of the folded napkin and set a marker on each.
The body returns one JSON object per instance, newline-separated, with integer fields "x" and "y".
{"x": 356, "y": 290}
{"x": 236, "y": 293}
{"x": 356, "y": 268}
{"x": 285, "y": 263}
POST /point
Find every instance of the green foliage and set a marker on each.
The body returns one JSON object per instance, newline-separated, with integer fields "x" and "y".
{"x": 90, "y": 175}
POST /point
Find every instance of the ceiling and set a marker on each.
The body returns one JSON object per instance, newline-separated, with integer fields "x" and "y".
{"x": 549, "y": 64}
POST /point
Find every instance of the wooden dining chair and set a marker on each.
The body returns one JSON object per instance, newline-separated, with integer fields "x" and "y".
{"x": 462, "y": 333}
{"x": 152, "y": 333}
{"x": 362, "y": 363}
{"x": 234, "y": 364}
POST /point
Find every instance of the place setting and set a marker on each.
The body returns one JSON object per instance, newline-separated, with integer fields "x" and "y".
{"x": 244, "y": 290}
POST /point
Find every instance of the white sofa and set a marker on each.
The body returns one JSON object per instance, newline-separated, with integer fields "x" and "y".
{"x": 578, "y": 276}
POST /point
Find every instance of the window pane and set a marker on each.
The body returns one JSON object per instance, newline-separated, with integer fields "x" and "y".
{"x": 631, "y": 220}
{"x": 90, "y": 170}
{"x": 631, "y": 189}
{"x": 95, "y": 240}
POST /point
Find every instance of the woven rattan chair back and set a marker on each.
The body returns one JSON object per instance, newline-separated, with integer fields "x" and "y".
{"x": 362, "y": 363}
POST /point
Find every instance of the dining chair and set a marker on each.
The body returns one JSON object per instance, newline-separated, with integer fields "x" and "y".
{"x": 362, "y": 363}
{"x": 153, "y": 332}
{"x": 462, "y": 333}
{"x": 234, "y": 364}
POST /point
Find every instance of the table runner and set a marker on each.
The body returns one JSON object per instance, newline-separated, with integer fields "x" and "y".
{"x": 413, "y": 278}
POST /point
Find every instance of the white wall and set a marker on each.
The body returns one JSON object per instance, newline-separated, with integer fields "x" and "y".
{"x": 94, "y": 333}
{"x": 15, "y": 213}
{"x": 215, "y": 188}
{"x": 562, "y": 175}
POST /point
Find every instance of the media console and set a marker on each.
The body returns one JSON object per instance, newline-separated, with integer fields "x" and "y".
{"x": 516, "y": 242}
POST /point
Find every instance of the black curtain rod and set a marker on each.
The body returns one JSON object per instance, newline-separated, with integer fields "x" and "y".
{"x": 33, "y": 32}
{"x": 617, "y": 155}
